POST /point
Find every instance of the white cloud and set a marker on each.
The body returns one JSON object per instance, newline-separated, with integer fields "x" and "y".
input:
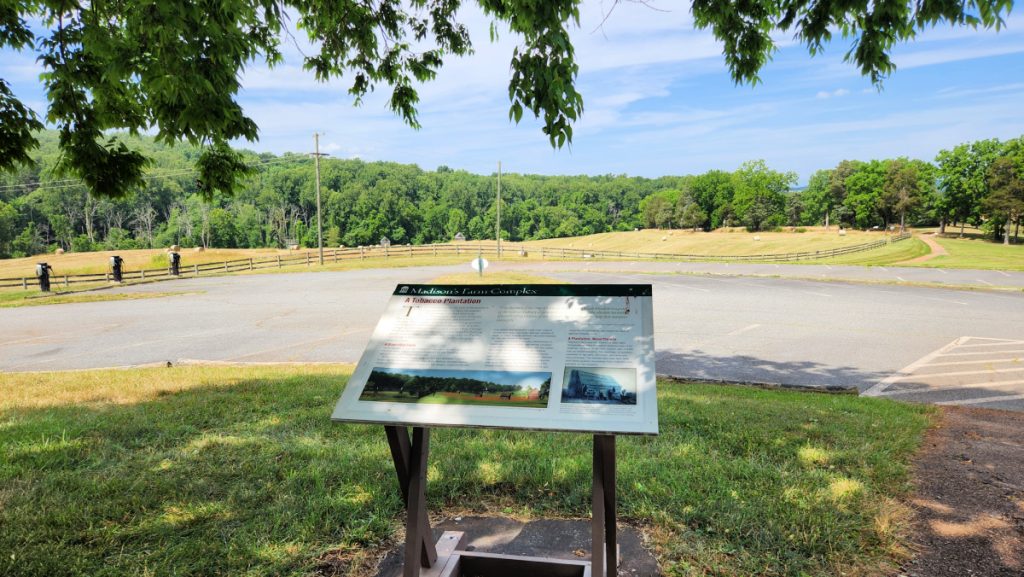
{"x": 838, "y": 93}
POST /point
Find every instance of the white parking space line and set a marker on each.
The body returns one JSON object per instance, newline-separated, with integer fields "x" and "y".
{"x": 1010, "y": 352}
{"x": 901, "y": 279}
{"x": 745, "y": 329}
{"x": 984, "y": 282}
{"x": 1000, "y": 344}
{"x": 998, "y": 271}
{"x": 958, "y": 373}
{"x": 983, "y": 400}
{"x": 981, "y": 362}
{"x": 942, "y": 271}
{"x": 880, "y": 387}
{"x": 941, "y": 300}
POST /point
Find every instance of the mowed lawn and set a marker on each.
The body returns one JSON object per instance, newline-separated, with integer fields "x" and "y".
{"x": 977, "y": 253}
{"x": 227, "y": 470}
{"x": 731, "y": 242}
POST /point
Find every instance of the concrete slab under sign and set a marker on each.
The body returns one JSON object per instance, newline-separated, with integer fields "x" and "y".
{"x": 551, "y": 538}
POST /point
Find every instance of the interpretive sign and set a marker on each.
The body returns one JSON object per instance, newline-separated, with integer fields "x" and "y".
{"x": 546, "y": 357}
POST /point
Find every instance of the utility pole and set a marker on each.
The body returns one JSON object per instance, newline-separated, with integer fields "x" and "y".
{"x": 319, "y": 220}
{"x": 497, "y": 225}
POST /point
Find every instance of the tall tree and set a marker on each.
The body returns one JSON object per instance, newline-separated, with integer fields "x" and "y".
{"x": 1005, "y": 200}
{"x": 760, "y": 200}
{"x": 174, "y": 69}
{"x": 963, "y": 179}
{"x": 902, "y": 189}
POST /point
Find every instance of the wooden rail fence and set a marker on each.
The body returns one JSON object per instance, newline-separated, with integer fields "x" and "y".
{"x": 509, "y": 249}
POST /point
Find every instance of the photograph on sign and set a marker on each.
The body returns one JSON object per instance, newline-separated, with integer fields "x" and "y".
{"x": 545, "y": 357}
{"x": 455, "y": 387}
{"x": 599, "y": 385}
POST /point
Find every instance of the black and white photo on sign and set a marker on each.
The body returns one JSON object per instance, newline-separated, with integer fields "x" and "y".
{"x": 602, "y": 385}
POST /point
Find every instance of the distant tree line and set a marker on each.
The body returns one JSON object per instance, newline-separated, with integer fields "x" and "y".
{"x": 977, "y": 183}
{"x": 422, "y": 386}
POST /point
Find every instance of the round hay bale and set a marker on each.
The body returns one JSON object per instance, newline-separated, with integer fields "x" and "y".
{"x": 59, "y": 251}
{"x": 175, "y": 248}
{"x": 198, "y": 249}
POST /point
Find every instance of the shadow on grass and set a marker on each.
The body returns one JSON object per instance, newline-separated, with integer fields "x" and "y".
{"x": 254, "y": 479}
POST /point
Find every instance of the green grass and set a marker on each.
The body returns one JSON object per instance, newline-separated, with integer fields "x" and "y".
{"x": 893, "y": 253}
{"x": 977, "y": 254}
{"x": 226, "y": 470}
{"x": 20, "y": 298}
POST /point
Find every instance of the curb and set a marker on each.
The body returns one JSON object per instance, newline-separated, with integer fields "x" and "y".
{"x": 824, "y": 389}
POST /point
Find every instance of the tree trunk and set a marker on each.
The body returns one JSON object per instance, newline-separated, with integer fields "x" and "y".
{"x": 903, "y": 218}
{"x": 826, "y": 219}
{"x": 1016, "y": 231}
{"x": 87, "y": 212}
{"x": 1006, "y": 233}
{"x": 962, "y": 224}
{"x": 942, "y": 226}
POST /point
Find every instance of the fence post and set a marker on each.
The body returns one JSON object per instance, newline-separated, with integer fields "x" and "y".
{"x": 361, "y": 255}
{"x": 278, "y": 261}
{"x": 335, "y": 255}
{"x": 410, "y": 251}
{"x": 142, "y": 274}
{"x": 435, "y": 250}
{"x": 225, "y": 266}
{"x": 250, "y": 263}
{"x": 458, "y": 250}
{"x": 24, "y": 283}
{"x": 195, "y": 269}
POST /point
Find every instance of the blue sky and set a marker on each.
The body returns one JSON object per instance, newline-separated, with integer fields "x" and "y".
{"x": 658, "y": 101}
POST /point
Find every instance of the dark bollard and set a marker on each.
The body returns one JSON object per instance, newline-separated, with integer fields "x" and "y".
{"x": 43, "y": 271}
{"x": 175, "y": 260}
{"x": 116, "y": 268}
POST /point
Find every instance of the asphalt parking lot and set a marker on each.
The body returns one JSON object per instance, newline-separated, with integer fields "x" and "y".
{"x": 908, "y": 342}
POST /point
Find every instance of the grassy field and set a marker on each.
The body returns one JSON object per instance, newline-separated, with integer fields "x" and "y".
{"x": 890, "y": 254}
{"x": 719, "y": 243}
{"x": 19, "y": 298}
{"x": 99, "y": 262}
{"x": 228, "y": 470}
{"x": 977, "y": 253}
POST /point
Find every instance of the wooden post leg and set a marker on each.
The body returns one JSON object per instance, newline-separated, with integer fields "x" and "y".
{"x": 610, "y": 532}
{"x": 597, "y": 549}
{"x": 416, "y": 506}
{"x": 402, "y": 453}
{"x": 604, "y": 551}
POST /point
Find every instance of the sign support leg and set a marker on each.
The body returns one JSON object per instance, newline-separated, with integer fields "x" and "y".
{"x": 411, "y": 466}
{"x": 604, "y": 550}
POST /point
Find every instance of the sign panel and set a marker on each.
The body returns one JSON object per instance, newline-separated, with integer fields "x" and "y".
{"x": 545, "y": 357}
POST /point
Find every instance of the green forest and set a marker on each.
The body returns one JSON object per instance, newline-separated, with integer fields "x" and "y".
{"x": 979, "y": 183}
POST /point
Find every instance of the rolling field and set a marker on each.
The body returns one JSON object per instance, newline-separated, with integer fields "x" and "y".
{"x": 718, "y": 243}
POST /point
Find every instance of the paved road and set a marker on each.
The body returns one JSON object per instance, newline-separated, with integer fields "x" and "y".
{"x": 986, "y": 279}
{"x": 719, "y": 327}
